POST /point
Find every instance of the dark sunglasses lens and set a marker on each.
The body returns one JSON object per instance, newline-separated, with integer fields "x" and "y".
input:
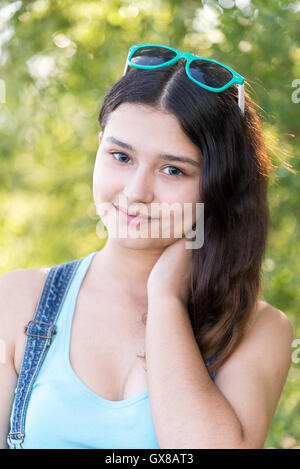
{"x": 152, "y": 56}
{"x": 210, "y": 73}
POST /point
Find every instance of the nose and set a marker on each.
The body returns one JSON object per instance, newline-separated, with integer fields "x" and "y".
{"x": 139, "y": 187}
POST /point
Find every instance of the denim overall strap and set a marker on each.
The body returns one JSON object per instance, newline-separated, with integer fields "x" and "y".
{"x": 39, "y": 333}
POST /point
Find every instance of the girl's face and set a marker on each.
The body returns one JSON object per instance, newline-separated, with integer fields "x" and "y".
{"x": 146, "y": 163}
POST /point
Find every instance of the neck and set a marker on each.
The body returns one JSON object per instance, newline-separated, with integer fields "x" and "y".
{"x": 126, "y": 269}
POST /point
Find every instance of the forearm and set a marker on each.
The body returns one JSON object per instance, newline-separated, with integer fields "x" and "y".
{"x": 188, "y": 409}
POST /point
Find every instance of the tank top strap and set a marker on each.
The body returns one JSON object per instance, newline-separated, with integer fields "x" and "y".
{"x": 210, "y": 362}
{"x": 39, "y": 333}
{"x": 66, "y": 318}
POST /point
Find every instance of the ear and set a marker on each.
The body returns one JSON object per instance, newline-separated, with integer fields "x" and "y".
{"x": 100, "y": 136}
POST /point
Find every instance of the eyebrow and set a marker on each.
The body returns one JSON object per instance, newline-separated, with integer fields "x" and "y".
{"x": 167, "y": 157}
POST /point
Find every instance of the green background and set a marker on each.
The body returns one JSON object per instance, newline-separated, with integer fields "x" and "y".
{"x": 58, "y": 59}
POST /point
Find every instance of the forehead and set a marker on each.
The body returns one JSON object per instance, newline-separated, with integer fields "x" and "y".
{"x": 142, "y": 125}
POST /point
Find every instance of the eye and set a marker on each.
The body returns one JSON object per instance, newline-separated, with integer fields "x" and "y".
{"x": 119, "y": 153}
{"x": 182, "y": 173}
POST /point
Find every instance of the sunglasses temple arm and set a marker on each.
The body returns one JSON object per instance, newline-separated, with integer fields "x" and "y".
{"x": 126, "y": 65}
{"x": 241, "y": 98}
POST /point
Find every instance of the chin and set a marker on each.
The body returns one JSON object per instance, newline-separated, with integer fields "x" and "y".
{"x": 140, "y": 243}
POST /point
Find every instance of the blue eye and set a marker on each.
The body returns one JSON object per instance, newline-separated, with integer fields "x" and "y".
{"x": 182, "y": 173}
{"x": 119, "y": 153}
{"x": 177, "y": 169}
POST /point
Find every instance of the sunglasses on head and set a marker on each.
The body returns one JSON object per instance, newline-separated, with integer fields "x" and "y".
{"x": 216, "y": 78}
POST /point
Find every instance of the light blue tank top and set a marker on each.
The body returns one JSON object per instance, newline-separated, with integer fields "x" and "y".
{"x": 63, "y": 413}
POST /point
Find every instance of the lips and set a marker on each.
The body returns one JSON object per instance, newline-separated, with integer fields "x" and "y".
{"x": 133, "y": 216}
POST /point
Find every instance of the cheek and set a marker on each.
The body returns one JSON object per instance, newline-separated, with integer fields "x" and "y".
{"x": 103, "y": 192}
{"x": 104, "y": 182}
{"x": 99, "y": 187}
{"x": 184, "y": 200}
{"x": 188, "y": 194}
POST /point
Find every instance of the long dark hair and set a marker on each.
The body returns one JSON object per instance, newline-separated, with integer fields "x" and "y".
{"x": 226, "y": 270}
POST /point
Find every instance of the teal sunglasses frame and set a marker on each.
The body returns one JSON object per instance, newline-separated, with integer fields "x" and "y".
{"x": 236, "y": 77}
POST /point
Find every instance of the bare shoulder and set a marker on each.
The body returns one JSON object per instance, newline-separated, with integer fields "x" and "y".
{"x": 19, "y": 294}
{"x": 253, "y": 377}
{"x": 19, "y": 290}
{"x": 273, "y": 326}
{"x": 267, "y": 312}
{"x": 269, "y": 332}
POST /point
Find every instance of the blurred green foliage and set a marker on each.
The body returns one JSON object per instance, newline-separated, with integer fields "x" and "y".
{"x": 58, "y": 59}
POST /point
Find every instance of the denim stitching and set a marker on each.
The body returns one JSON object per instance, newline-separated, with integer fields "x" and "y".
{"x": 51, "y": 299}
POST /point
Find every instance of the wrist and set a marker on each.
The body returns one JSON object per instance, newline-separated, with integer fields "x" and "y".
{"x": 165, "y": 298}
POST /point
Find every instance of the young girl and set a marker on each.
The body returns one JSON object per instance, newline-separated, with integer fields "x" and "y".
{"x": 156, "y": 344}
